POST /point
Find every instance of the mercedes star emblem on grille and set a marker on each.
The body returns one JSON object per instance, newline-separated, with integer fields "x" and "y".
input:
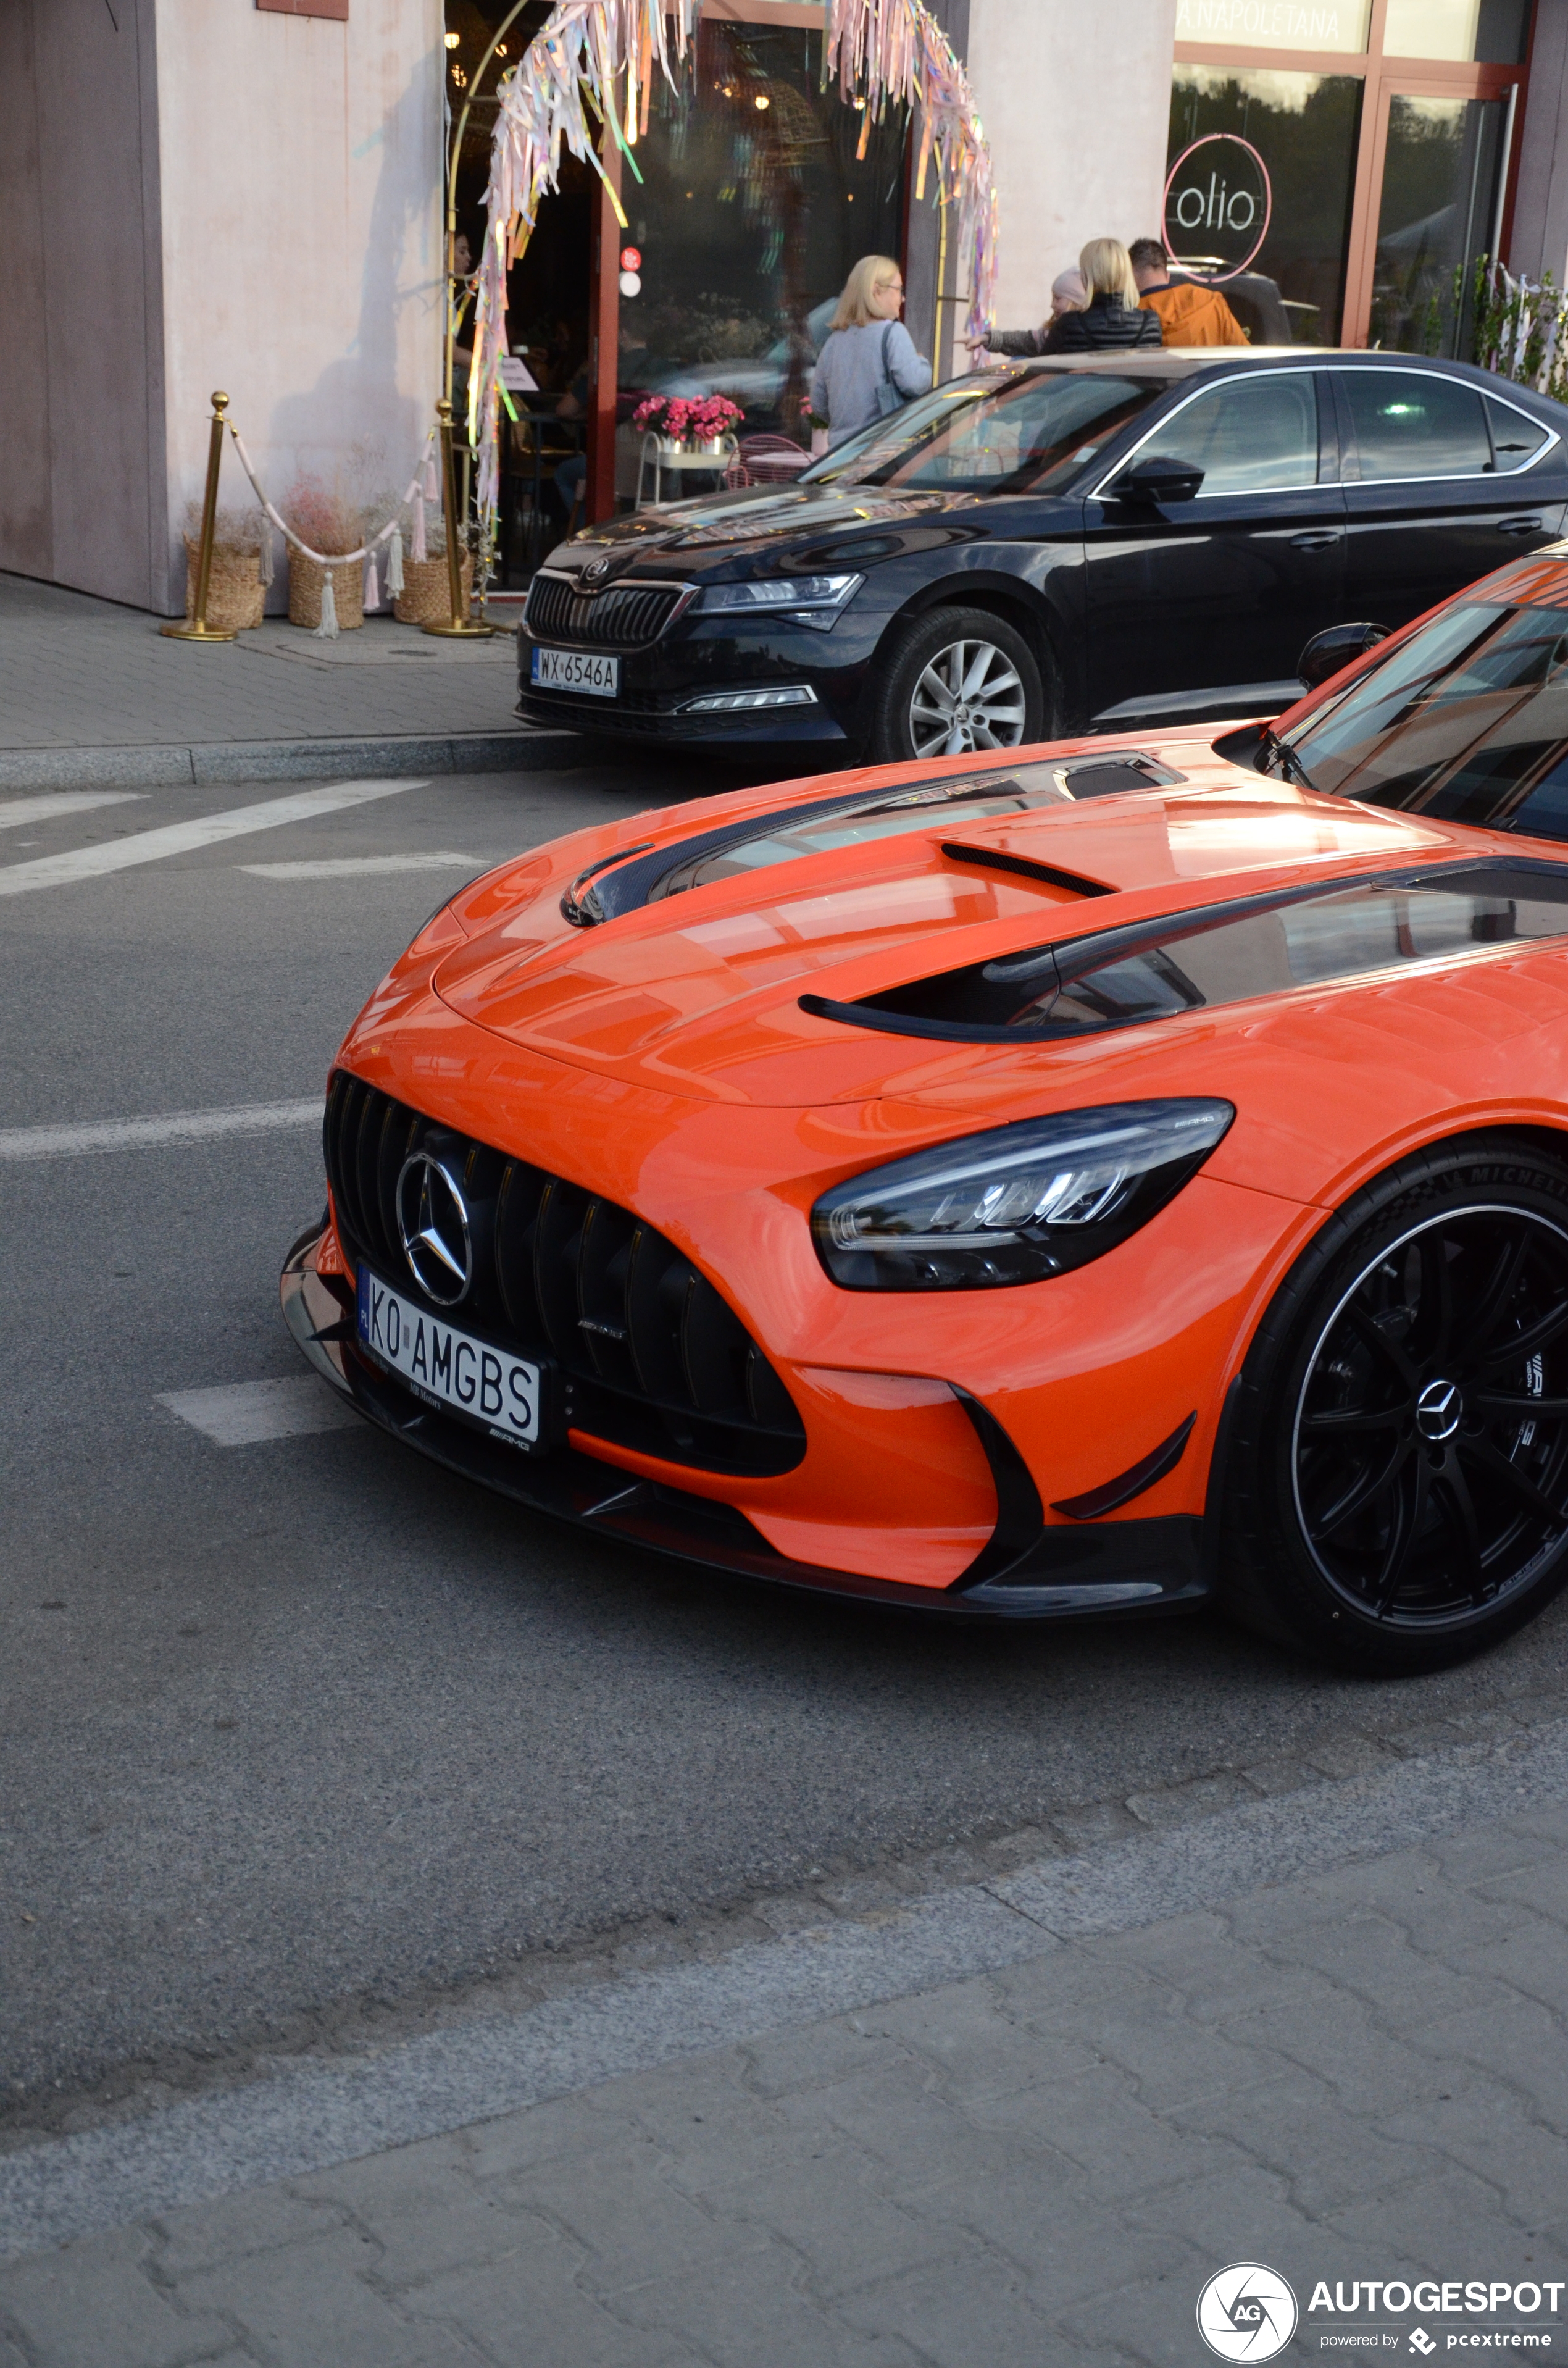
{"x": 432, "y": 1224}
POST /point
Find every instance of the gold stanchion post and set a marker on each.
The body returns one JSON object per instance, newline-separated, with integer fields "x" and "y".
{"x": 458, "y": 627}
{"x": 197, "y": 629}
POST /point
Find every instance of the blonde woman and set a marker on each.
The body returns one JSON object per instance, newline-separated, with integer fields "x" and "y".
{"x": 868, "y": 365}
{"x": 1112, "y": 317}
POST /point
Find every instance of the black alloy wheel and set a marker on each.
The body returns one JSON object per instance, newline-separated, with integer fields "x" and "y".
{"x": 952, "y": 683}
{"x": 1399, "y": 1470}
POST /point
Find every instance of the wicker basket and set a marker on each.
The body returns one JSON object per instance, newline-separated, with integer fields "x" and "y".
{"x": 234, "y": 588}
{"x": 426, "y": 598}
{"x": 305, "y": 577}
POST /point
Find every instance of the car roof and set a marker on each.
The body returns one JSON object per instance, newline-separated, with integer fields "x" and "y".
{"x": 1178, "y": 363}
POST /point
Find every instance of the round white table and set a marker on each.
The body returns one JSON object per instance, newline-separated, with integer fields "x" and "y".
{"x": 659, "y": 454}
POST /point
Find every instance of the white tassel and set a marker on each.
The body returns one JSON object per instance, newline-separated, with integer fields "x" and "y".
{"x": 372, "y": 590}
{"x": 420, "y": 553}
{"x": 394, "y": 561}
{"x": 432, "y": 481}
{"x": 328, "y": 630}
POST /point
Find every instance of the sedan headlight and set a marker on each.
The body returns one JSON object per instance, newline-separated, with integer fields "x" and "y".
{"x": 816, "y": 600}
{"x": 1017, "y": 1204}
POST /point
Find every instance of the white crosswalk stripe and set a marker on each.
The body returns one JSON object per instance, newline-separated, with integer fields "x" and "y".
{"x": 246, "y": 1414}
{"x": 14, "y": 811}
{"x": 182, "y": 837}
{"x": 350, "y": 867}
{"x": 150, "y": 1134}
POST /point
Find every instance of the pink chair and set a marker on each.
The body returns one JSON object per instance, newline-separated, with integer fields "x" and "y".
{"x": 772, "y": 459}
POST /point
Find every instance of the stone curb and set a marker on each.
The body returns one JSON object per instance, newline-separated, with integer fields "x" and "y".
{"x": 311, "y": 2113}
{"x": 161, "y": 767}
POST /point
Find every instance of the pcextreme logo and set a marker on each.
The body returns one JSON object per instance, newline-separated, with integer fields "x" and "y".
{"x": 1246, "y": 2312}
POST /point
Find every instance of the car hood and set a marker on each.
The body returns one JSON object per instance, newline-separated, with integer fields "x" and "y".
{"x": 820, "y": 519}
{"x": 702, "y": 993}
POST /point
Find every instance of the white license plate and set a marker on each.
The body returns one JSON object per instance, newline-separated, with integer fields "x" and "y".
{"x": 449, "y": 1368}
{"x": 577, "y": 670}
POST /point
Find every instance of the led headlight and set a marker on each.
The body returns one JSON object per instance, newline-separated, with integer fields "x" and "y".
{"x": 1017, "y": 1204}
{"x": 800, "y": 599}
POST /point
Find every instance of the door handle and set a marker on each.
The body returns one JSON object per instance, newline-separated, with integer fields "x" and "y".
{"x": 1321, "y": 541}
{"x": 1519, "y": 526}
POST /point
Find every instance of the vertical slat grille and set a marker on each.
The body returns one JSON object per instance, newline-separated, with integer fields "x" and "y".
{"x": 624, "y": 617}
{"x": 657, "y": 1358}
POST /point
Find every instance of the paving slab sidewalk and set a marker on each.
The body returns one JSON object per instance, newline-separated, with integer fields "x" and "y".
{"x": 93, "y": 695}
{"x": 1016, "y": 2122}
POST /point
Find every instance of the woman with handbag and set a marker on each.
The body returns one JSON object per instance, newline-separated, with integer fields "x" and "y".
{"x": 868, "y": 366}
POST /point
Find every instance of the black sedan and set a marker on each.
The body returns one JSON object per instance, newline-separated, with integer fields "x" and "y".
{"x": 1095, "y": 544}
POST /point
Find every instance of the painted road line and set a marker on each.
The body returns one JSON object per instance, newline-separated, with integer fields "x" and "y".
{"x": 15, "y": 811}
{"x": 311, "y": 2113}
{"x": 350, "y": 867}
{"x": 249, "y": 1412}
{"x": 150, "y": 1134}
{"x": 181, "y": 837}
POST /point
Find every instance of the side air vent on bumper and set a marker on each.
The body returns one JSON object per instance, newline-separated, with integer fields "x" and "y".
{"x": 624, "y": 617}
{"x": 658, "y": 1361}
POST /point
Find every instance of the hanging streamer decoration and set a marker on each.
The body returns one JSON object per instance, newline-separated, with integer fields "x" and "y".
{"x": 601, "y": 55}
{"x": 893, "y": 54}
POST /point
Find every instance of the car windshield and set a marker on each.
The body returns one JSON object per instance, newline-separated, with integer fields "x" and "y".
{"x": 1031, "y": 433}
{"x": 1467, "y": 721}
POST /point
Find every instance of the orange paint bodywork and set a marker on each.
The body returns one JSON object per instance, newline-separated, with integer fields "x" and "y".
{"x": 663, "y": 1060}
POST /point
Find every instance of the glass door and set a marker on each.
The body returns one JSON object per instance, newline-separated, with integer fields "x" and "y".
{"x": 1440, "y": 173}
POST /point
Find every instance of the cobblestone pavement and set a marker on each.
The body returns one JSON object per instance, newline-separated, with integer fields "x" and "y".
{"x": 1321, "y": 2032}
{"x": 80, "y": 674}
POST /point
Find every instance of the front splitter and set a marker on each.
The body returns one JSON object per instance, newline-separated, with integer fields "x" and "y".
{"x": 1128, "y": 1567}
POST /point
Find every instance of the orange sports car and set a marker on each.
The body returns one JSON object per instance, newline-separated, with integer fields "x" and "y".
{"x": 1074, "y": 1179}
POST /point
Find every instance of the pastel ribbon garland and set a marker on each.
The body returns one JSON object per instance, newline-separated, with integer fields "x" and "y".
{"x": 885, "y": 52}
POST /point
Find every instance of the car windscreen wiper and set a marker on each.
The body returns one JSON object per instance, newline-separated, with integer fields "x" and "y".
{"x": 1285, "y": 761}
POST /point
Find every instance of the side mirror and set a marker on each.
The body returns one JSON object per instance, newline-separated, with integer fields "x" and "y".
{"x": 1333, "y": 648}
{"x": 1158, "y": 478}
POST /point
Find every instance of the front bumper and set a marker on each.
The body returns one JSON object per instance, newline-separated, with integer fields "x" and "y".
{"x": 1027, "y": 1569}
{"x": 701, "y": 655}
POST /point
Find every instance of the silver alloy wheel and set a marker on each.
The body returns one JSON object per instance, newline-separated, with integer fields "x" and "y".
{"x": 968, "y": 696}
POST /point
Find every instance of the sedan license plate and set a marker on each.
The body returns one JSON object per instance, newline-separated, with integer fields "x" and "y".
{"x": 576, "y": 670}
{"x": 450, "y": 1369}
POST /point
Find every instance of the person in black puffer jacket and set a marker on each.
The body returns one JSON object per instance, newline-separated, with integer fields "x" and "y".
{"x": 1112, "y": 317}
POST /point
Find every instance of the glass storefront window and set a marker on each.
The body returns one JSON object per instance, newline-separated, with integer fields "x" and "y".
{"x": 1304, "y": 127}
{"x": 1275, "y": 24}
{"x": 751, "y": 211}
{"x": 1440, "y": 190}
{"x": 1489, "y": 32}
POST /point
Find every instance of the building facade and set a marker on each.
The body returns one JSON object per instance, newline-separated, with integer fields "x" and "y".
{"x": 251, "y": 193}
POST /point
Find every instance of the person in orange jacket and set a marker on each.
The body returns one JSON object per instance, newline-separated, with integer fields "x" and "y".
{"x": 1190, "y": 314}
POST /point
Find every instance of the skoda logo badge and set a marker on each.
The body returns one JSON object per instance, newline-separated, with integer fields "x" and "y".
{"x": 595, "y": 571}
{"x": 432, "y": 1224}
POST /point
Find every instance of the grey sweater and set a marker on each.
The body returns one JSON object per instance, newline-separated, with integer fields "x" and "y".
{"x": 849, "y": 370}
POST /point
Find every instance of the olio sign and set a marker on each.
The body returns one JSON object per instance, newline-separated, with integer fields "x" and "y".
{"x": 1217, "y": 205}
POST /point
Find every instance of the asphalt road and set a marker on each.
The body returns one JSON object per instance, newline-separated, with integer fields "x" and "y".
{"x": 290, "y": 1725}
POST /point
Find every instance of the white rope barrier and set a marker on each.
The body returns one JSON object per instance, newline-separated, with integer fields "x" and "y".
{"x": 420, "y": 490}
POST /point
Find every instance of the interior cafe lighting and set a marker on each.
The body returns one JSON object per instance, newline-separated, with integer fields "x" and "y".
{"x": 452, "y": 41}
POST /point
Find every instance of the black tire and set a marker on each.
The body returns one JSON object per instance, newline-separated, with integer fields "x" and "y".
{"x": 1006, "y": 708}
{"x": 1396, "y": 1484}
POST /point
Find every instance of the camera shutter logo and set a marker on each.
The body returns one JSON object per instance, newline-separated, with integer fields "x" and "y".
{"x": 1246, "y": 2312}
{"x": 432, "y": 1223}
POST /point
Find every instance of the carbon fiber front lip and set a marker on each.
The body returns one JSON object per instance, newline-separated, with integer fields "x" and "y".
{"x": 1124, "y": 1568}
